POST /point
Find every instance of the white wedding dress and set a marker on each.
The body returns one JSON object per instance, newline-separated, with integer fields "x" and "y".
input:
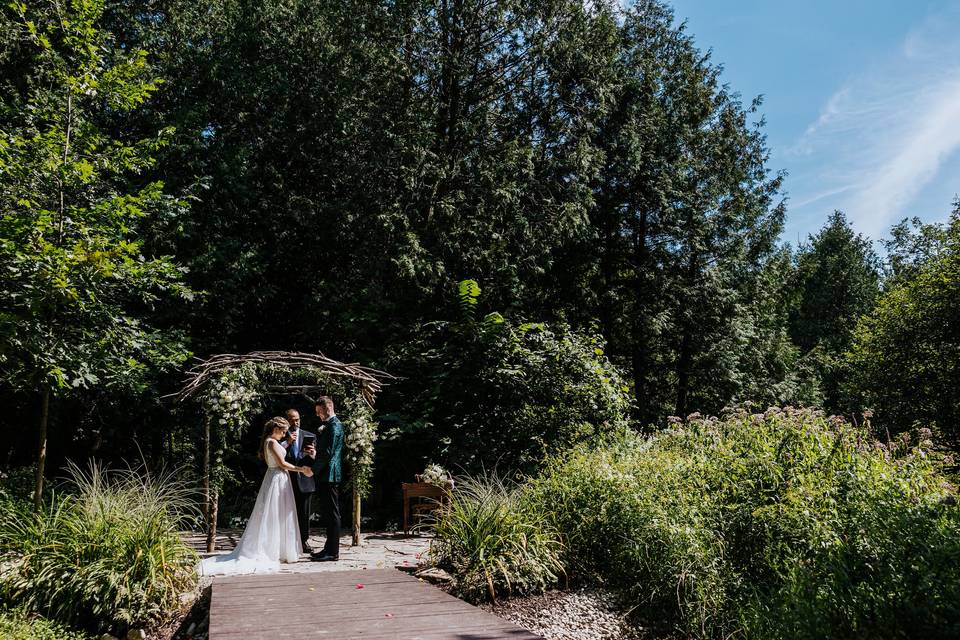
{"x": 272, "y": 534}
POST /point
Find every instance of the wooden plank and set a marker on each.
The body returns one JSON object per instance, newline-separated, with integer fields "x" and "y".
{"x": 383, "y": 603}
{"x": 391, "y": 606}
{"x": 318, "y": 578}
{"x": 342, "y": 595}
{"x": 330, "y": 577}
{"x": 517, "y": 634}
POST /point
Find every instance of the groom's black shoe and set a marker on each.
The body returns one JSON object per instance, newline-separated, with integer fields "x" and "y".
{"x": 323, "y": 557}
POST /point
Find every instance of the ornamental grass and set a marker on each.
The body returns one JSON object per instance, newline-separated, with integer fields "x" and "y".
{"x": 493, "y": 543}
{"x": 103, "y": 553}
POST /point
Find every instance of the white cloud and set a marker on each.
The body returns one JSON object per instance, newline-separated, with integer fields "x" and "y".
{"x": 884, "y": 136}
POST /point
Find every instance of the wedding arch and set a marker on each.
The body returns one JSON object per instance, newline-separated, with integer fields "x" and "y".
{"x": 232, "y": 388}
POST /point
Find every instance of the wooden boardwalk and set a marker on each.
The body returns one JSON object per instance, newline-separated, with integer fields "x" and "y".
{"x": 374, "y": 604}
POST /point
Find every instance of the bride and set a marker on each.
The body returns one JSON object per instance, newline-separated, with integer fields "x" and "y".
{"x": 272, "y": 535}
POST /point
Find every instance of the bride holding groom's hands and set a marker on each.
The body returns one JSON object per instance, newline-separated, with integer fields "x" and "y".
{"x": 272, "y": 534}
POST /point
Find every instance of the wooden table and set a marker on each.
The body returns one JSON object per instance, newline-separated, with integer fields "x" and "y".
{"x": 418, "y": 492}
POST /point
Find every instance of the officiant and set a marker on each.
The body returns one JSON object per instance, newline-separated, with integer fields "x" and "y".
{"x": 301, "y": 450}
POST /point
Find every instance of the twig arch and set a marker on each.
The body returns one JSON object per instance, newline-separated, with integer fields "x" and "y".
{"x": 315, "y": 369}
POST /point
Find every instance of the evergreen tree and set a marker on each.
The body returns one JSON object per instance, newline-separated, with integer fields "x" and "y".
{"x": 836, "y": 281}
{"x": 684, "y": 222}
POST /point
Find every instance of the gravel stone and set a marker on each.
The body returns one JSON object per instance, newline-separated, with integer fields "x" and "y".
{"x": 586, "y": 614}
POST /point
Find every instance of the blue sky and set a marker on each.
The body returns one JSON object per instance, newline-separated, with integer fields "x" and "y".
{"x": 861, "y": 98}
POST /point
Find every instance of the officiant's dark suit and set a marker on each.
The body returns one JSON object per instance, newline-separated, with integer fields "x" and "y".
{"x": 328, "y": 471}
{"x": 303, "y": 487}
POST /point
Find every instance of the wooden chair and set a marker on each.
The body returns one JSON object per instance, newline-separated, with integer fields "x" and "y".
{"x": 419, "y": 499}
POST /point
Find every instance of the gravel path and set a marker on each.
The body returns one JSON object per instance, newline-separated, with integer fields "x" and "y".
{"x": 569, "y": 615}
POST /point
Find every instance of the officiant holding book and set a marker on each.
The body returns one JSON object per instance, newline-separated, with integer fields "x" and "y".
{"x": 301, "y": 450}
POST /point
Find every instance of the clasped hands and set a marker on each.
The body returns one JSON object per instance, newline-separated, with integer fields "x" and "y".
{"x": 310, "y": 451}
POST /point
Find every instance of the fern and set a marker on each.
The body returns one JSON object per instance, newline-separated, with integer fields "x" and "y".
{"x": 468, "y": 295}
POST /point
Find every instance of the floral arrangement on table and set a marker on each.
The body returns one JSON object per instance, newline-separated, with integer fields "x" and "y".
{"x": 436, "y": 475}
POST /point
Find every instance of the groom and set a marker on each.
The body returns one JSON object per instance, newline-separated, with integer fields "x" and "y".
{"x": 300, "y": 452}
{"x": 327, "y": 473}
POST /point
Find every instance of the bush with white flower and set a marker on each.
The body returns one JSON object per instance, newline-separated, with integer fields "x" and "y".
{"x": 361, "y": 433}
{"x": 229, "y": 401}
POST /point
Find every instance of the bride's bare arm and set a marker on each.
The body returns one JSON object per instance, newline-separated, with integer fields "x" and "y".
{"x": 279, "y": 453}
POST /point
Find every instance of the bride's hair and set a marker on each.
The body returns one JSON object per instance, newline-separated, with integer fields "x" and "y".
{"x": 268, "y": 428}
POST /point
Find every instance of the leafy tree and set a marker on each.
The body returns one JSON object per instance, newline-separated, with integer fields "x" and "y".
{"x": 912, "y": 244}
{"x": 78, "y": 286}
{"x": 904, "y": 361}
{"x": 582, "y": 160}
{"x": 487, "y": 392}
{"x": 360, "y": 159}
{"x": 836, "y": 281}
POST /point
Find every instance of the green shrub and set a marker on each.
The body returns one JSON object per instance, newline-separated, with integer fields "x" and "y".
{"x": 17, "y": 484}
{"x": 495, "y": 392}
{"x": 783, "y": 524}
{"x": 106, "y": 552}
{"x": 494, "y": 544}
{"x": 14, "y": 625}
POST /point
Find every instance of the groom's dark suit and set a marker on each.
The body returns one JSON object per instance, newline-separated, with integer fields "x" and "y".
{"x": 327, "y": 471}
{"x": 303, "y": 487}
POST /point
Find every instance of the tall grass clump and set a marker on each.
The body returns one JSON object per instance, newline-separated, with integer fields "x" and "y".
{"x": 105, "y": 551}
{"x": 15, "y": 625}
{"x": 494, "y": 543}
{"x": 785, "y": 524}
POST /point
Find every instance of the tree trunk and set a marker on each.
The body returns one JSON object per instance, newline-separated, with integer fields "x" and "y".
{"x": 607, "y": 271}
{"x": 639, "y": 347}
{"x": 683, "y": 372}
{"x": 685, "y": 358}
{"x": 356, "y": 518}
{"x": 42, "y": 456}
{"x": 209, "y": 496}
{"x": 212, "y": 522}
